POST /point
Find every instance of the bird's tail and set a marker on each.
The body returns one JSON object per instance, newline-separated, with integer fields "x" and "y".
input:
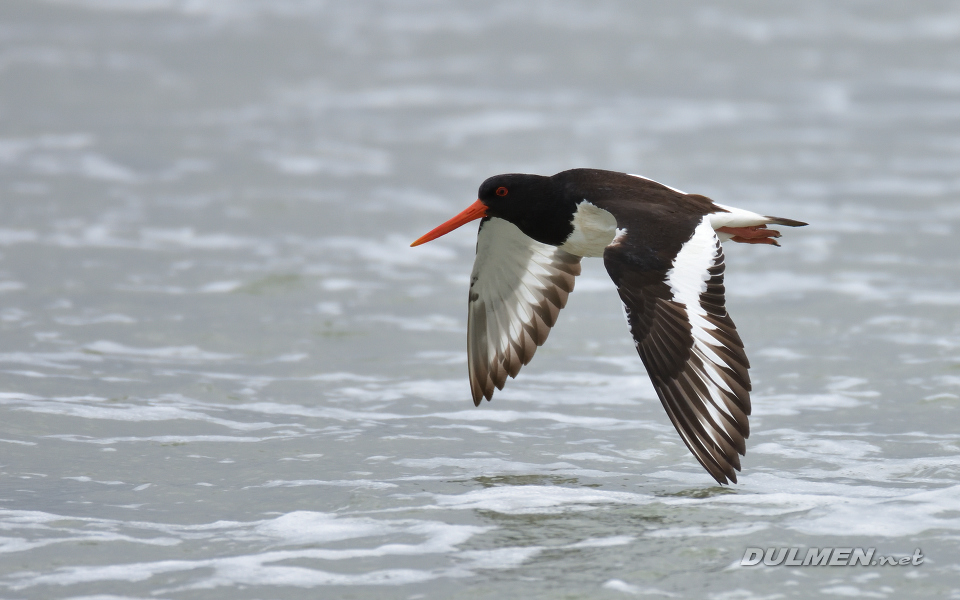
{"x": 787, "y": 222}
{"x": 758, "y": 234}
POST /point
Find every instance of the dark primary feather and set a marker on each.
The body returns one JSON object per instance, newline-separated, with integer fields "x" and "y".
{"x": 662, "y": 331}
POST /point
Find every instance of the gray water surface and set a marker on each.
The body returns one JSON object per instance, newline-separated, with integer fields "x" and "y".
{"x": 224, "y": 373}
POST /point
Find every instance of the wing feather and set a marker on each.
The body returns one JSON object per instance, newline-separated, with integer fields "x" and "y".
{"x": 517, "y": 289}
{"x": 688, "y": 343}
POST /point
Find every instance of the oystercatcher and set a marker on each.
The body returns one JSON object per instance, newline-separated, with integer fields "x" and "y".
{"x": 662, "y": 249}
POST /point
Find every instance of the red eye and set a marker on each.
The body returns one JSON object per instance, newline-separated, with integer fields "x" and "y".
{"x": 502, "y": 191}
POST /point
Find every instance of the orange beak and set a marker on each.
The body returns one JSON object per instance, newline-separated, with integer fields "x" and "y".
{"x": 474, "y": 211}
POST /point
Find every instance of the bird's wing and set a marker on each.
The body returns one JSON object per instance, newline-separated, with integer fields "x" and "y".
{"x": 689, "y": 345}
{"x": 517, "y": 289}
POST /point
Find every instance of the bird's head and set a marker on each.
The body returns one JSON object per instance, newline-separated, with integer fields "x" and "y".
{"x": 531, "y": 202}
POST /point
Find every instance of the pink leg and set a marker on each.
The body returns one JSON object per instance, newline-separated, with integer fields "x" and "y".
{"x": 758, "y": 234}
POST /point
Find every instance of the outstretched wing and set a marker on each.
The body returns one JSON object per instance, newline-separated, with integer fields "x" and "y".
{"x": 688, "y": 343}
{"x": 517, "y": 289}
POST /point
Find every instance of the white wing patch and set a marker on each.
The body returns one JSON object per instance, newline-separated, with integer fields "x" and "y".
{"x": 688, "y": 277}
{"x": 517, "y": 289}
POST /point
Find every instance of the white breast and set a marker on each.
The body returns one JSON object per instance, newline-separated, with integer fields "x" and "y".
{"x": 593, "y": 230}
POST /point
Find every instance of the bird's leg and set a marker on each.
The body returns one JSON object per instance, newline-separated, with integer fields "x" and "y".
{"x": 758, "y": 234}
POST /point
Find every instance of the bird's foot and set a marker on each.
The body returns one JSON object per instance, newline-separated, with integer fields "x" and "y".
{"x": 758, "y": 234}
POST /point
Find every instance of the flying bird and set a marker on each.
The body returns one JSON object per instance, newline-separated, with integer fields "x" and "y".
{"x": 662, "y": 249}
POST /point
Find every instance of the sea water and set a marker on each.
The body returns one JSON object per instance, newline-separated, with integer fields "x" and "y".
{"x": 225, "y": 374}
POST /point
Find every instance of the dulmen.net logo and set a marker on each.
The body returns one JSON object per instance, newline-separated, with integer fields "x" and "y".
{"x": 825, "y": 557}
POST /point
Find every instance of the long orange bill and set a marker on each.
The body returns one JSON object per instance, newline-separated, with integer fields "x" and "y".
{"x": 474, "y": 211}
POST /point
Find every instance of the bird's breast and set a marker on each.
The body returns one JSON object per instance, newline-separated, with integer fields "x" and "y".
{"x": 593, "y": 230}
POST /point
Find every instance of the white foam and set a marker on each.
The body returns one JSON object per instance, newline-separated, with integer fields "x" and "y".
{"x": 95, "y": 320}
{"x": 911, "y": 514}
{"x": 220, "y": 287}
{"x": 475, "y": 467}
{"x": 385, "y": 255}
{"x": 936, "y": 298}
{"x": 336, "y": 160}
{"x": 186, "y": 237}
{"x": 167, "y": 407}
{"x": 296, "y": 530}
{"x": 778, "y": 354}
{"x": 56, "y": 529}
{"x": 165, "y": 439}
{"x": 352, "y": 483}
{"x": 499, "y": 559}
{"x": 304, "y": 527}
{"x": 793, "y": 404}
{"x": 851, "y": 591}
{"x": 588, "y": 456}
{"x": 533, "y": 499}
{"x": 9, "y": 237}
{"x": 97, "y": 166}
{"x": 486, "y": 123}
{"x": 618, "y": 585}
{"x": 423, "y": 323}
{"x": 510, "y": 416}
{"x": 293, "y": 357}
{"x": 727, "y": 531}
{"x": 166, "y": 352}
{"x": 606, "y": 542}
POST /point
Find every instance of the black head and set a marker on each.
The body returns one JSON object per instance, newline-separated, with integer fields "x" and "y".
{"x": 531, "y": 202}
